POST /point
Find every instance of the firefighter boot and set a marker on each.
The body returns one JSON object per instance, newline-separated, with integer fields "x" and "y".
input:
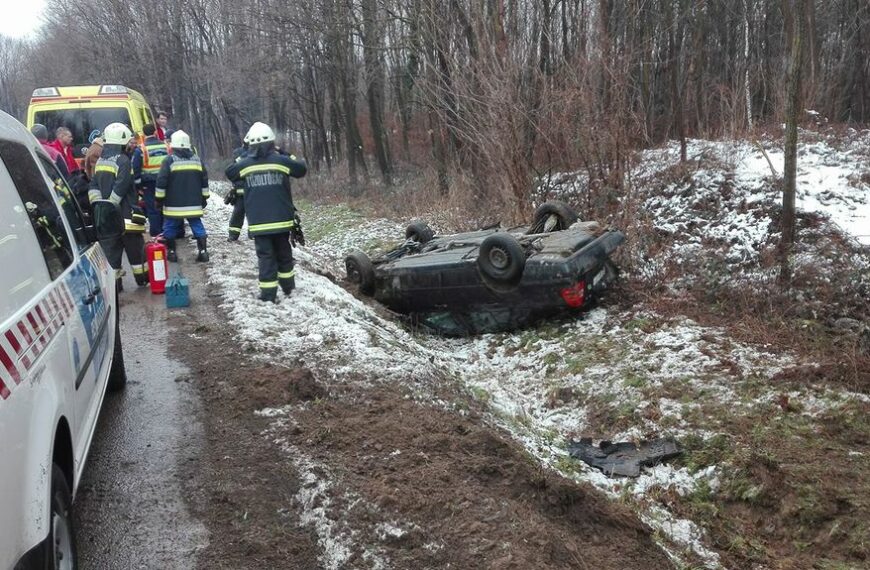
{"x": 287, "y": 285}
{"x": 141, "y": 279}
{"x": 203, "y": 249}
{"x": 170, "y": 251}
{"x": 268, "y": 296}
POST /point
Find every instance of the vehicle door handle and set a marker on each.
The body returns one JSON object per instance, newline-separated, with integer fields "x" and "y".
{"x": 92, "y": 296}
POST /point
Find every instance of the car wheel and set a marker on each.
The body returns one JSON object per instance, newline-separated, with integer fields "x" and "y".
{"x": 419, "y": 232}
{"x": 552, "y": 216}
{"x": 501, "y": 260}
{"x": 360, "y": 272}
{"x": 118, "y": 372}
{"x": 60, "y": 546}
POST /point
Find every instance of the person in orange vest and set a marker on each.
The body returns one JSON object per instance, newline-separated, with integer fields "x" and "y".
{"x": 146, "y": 161}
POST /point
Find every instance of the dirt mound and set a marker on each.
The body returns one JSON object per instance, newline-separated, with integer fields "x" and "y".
{"x": 275, "y": 386}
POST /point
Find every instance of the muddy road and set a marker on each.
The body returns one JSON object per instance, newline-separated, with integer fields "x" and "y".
{"x": 130, "y": 509}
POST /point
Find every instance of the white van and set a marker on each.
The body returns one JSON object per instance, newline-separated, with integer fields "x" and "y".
{"x": 59, "y": 349}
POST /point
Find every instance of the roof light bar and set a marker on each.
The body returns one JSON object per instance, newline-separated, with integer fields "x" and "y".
{"x": 46, "y": 92}
{"x": 112, "y": 89}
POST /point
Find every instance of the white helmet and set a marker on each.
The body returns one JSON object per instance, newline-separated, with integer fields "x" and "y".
{"x": 259, "y": 133}
{"x": 117, "y": 133}
{"x": 179, "y": 139}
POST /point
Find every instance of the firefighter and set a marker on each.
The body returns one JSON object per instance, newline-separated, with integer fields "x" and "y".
{"x": 113, "y": 180}
{"x": 182, "y": 193}
{"x": 269, "y": 207}
{"x": 147, "y": 159}
{"x": 236, "y": 197}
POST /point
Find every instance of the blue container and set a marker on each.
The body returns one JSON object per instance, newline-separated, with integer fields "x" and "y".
{"x": 177, "y": 292}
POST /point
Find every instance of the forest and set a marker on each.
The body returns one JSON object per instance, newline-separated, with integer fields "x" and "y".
{"x": 480, "y": 96}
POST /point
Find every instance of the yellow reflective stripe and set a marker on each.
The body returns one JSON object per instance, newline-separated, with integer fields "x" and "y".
{"x": 106, "y": 168}
{"x": 151, "y": 169}
{"x": 94, "y": 195}
{"x": 133, "y": 228}
{"x": 180, "y": 167}
{"x": 160, "y": 193}
{"x": 160, "y": 146}
{"x": 235, "y": 230}
{"x": 138, "y": 269}
{"x": 268, "y": 284}
{"x": 264, "y": 168}
{"x": 206, "y": 193}
{"x": 287, "y": 275}
{"x": 182, "y": 213}
{"x": 273, "y": 226}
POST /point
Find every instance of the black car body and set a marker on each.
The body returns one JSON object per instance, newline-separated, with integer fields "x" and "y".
{"x": 492, "y": 279}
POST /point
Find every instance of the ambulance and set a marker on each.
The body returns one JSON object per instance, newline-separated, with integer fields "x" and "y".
{"x": 86, "y": 108}
{"x": 60, "y": 349}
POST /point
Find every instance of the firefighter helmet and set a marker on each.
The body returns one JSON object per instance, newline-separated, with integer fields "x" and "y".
{"x": 259, "y": 133}
{"x": 117, "y": 133}
{"x": 179, "y": 139}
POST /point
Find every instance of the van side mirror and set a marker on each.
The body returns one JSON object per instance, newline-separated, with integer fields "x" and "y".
{"x": 108, "y": 222}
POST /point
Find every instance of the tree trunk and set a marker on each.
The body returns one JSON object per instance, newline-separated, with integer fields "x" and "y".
{"x": 797, "y": 11}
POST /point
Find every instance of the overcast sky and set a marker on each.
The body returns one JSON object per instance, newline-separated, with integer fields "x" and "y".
{"x": 19, "y": 18}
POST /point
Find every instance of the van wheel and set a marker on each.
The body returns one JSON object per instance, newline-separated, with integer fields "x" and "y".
{"x": 60, "y": 546}
{"x": 118, "y": 373}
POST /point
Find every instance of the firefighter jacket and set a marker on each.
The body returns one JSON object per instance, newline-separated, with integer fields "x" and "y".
{"x": 147, "y": 159}
{"x": 268, "y": 200}
{"x": 182, "y": 185}
{"x": 113, "y": 180}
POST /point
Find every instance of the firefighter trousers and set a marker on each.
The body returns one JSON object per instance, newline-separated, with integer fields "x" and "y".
{"x": 133, "y": 243}
{"x": 275, "y": 258}
{"x": 237, "y": 220}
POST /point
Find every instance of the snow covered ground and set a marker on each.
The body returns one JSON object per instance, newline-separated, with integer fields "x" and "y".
{"x": 610, "y": 375}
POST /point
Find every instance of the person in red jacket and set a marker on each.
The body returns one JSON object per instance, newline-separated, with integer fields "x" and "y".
{"x": 162, "y": 121}
{"x": 63, "y": 143}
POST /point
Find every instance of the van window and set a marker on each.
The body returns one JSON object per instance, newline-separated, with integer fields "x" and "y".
{"x": 67, "y": 198}
{"x": 81, "y": 122}
{"x": 40, "y": 206}
{"x": 22, "y": 279}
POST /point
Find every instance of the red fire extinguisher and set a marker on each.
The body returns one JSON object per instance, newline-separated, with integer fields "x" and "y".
{"x": 158, "y": 269}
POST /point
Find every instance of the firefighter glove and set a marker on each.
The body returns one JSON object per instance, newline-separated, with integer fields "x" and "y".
{"x": 297, "y": 236}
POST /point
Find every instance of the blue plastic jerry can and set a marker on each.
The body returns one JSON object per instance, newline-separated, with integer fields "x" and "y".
{"x": 177, "y": 292}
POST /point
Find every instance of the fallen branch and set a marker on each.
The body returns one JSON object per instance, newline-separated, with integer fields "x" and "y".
{"x": 764, "y": 152}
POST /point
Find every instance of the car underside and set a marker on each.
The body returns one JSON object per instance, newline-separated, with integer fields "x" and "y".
{"x": 492, "y": 279}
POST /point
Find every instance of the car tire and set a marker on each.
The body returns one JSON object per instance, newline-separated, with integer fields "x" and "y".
{"x": 360, "y": 272}
{"x": 419, "y": 232}
{"x": 118, "y": 372}
{"x": 501, "y": 261}
{"x": 555, "y": 212}
{"x": 60, "y": 546}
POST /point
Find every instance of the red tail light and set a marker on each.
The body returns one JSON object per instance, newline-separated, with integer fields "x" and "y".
{"x": 574, "y": 295}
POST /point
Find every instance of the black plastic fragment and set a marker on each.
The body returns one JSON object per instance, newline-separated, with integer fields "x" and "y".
{"x": 625, "y": 458}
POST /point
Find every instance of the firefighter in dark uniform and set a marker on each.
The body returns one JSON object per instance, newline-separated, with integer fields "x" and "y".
{"x": 269, "y": 207}
{"x": 147, "y": 159}
{"x": 182, "y": 192}
{"x": 113, "y": 180}
{"x": 236, "y": 197}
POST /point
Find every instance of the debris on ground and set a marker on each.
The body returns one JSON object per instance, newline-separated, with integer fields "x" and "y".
{"x": 624, "y": 459}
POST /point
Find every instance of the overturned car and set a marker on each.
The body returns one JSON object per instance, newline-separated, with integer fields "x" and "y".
{"x": 493, "y": 279}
